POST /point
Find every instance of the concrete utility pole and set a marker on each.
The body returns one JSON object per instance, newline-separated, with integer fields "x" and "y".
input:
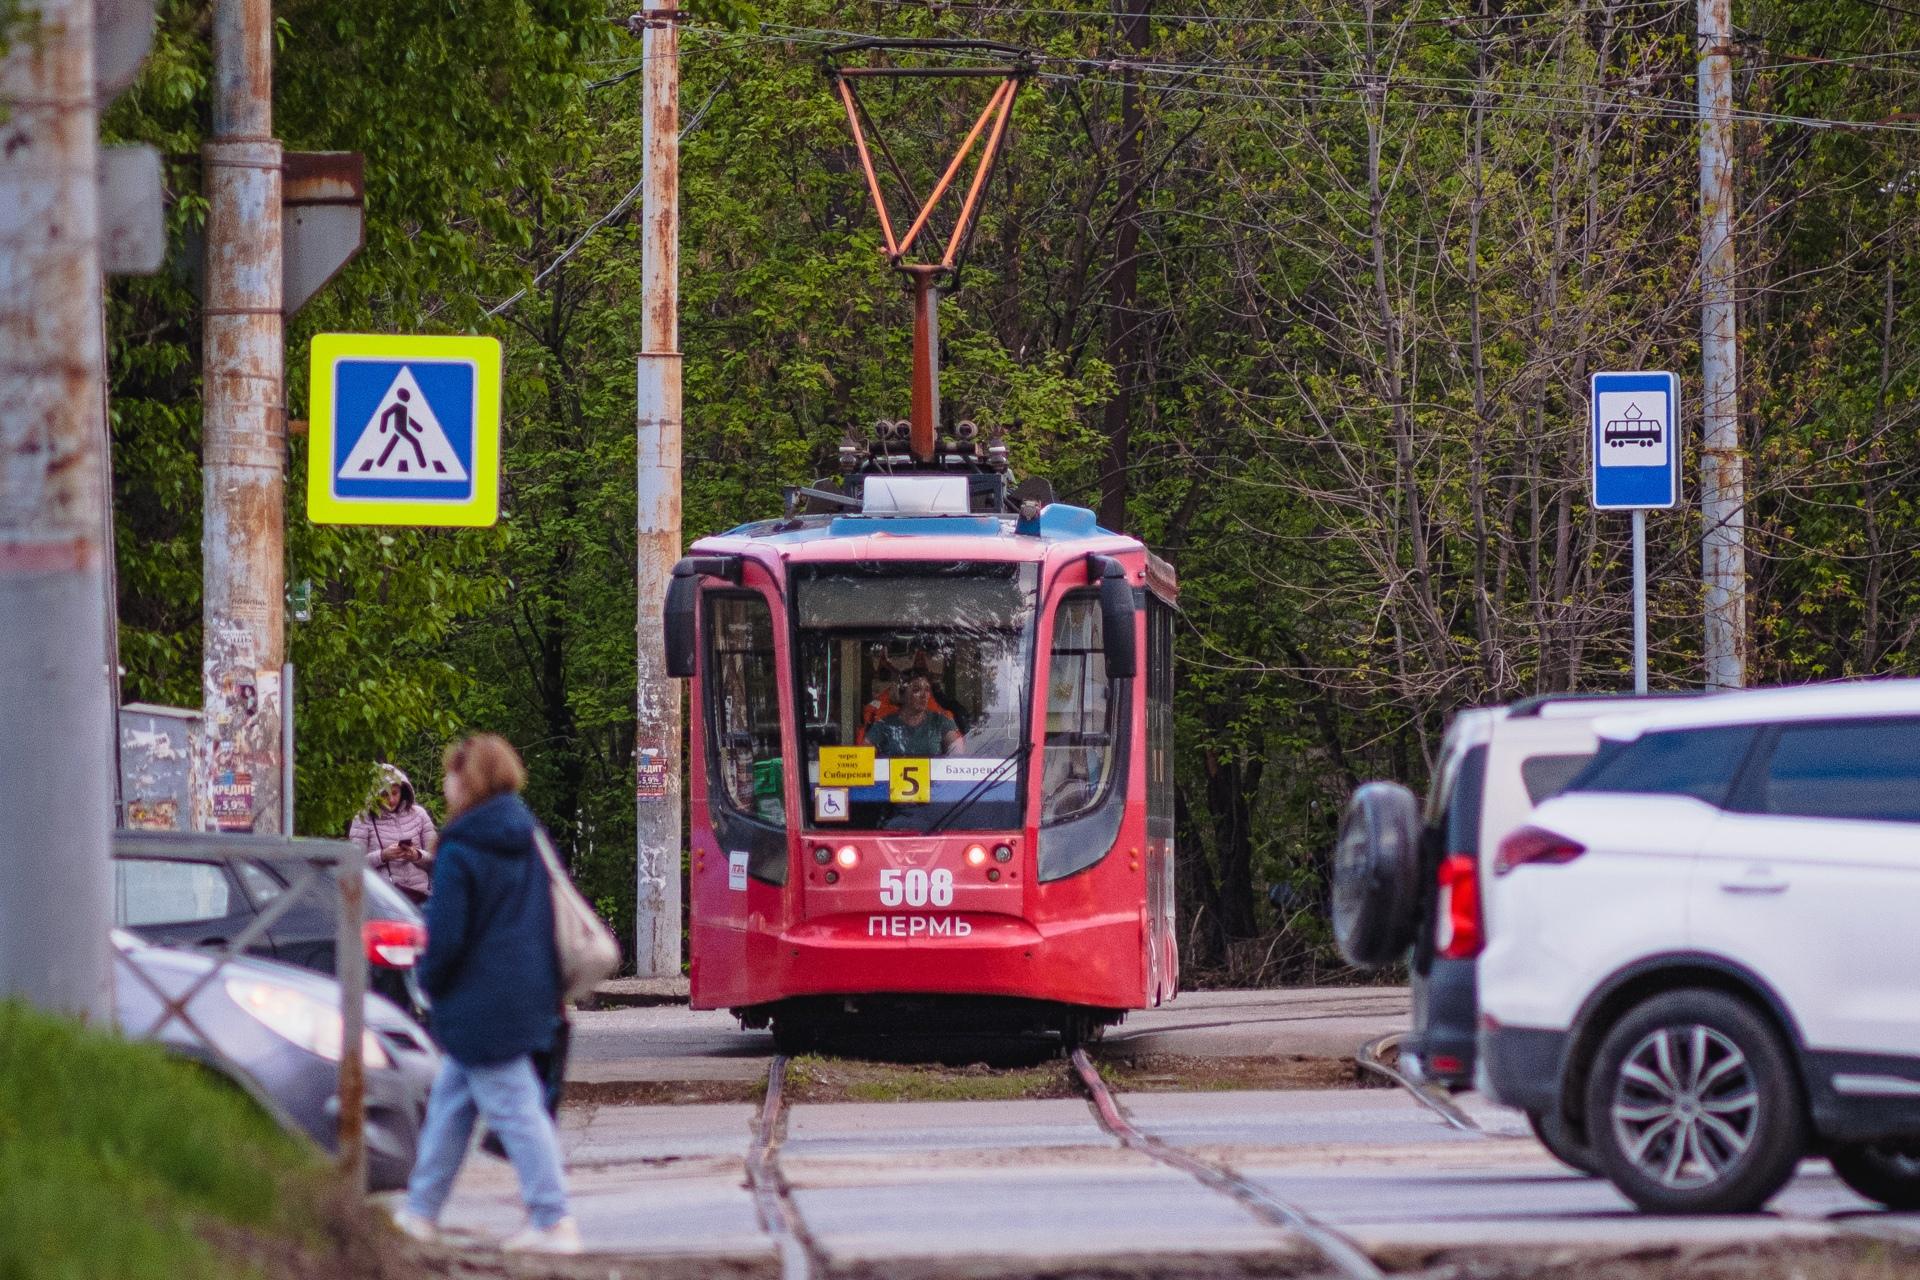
{"x": 56, "y": 906}
{"x": 245, "y": 440}
{"x": 657, "y": 764}
{"x": 1723, "y": 562}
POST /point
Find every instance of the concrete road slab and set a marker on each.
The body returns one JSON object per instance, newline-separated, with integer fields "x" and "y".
{"x": 624, "y": 1208}
{"x": 1291, "y": 1118}
{"x": 924, "y": 1130}
{"x": 1046, "y": 1212}
{"x": 641, "y": 1135}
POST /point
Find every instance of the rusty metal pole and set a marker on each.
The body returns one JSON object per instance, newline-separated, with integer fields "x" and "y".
{"x": 244, "y": 453}
{"x": 1723, "y": 563}
{"x": 55, "y": 755}
{"x": 926, "y": 360}
{"x": 350, "y": 971}
{"x": 656, "y": 739}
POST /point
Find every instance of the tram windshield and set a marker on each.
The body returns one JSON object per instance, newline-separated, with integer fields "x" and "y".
{"x": 912, "y": 689}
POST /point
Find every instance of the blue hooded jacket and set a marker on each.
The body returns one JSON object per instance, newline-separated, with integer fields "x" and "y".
{"x": 490, "y": 967}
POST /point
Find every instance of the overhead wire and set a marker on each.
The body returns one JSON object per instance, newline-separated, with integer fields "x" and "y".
{"x": 1250, "y": 20}
{"x": 1528, "y": 103}
{"x": 625, "y": 202}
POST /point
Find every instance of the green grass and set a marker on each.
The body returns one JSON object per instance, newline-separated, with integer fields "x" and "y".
{"x": 117, "y": 1161}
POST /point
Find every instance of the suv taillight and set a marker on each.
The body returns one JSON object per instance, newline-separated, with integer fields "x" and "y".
{"x": 1535, "y": 845}
{"x": 1458, "y": 935}
{"x": 393, "y": 944}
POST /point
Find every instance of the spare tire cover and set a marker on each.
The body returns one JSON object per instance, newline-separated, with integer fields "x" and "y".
{"x": 1376, "y": 875}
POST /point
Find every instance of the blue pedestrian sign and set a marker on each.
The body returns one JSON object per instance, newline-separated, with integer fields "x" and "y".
{"x": 1635, "y": 421}
{"x": 405, "y": 430}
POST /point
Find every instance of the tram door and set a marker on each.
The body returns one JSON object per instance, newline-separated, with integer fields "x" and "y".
{"x": 740, "y": 846}
{"x": 1163, "y": 957}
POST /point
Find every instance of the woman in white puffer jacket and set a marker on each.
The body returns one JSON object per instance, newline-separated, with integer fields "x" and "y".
{"x": 398, "y": 836}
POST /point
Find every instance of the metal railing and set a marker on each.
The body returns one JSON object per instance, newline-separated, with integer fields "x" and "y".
{"x": 315, "y": 860}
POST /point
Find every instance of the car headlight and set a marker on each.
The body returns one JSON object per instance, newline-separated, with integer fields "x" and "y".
{"x": 295, "y": 1016}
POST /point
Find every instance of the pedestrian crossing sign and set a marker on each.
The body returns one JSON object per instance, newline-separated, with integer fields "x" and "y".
{"x": 405, "y": 430}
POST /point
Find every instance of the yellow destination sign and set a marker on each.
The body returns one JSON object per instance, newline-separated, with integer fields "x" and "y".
{"x": 846, "y": 766}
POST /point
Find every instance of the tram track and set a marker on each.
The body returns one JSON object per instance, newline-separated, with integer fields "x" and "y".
{"x": 1372, "y": 1057}
{"x": 800, "y": 1256}
{"x": 1341, "y": 1253}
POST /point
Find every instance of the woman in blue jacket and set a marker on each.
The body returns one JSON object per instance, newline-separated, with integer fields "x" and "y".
{"x": 494, "y": 978}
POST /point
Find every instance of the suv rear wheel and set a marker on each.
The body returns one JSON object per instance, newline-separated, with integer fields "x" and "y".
{"x": 1564, "y": 1142}
{"x": 1694, "y": 1105}
{"x": 1888, "y": 1174}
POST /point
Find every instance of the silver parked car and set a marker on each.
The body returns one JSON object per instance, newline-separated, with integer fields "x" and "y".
{"x": 279, "y": 1029}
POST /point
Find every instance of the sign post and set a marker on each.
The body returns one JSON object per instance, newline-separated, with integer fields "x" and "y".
{"x": 1633, "y": 420}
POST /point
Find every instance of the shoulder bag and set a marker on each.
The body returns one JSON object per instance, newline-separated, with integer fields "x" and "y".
{"x": 587, "y": 951}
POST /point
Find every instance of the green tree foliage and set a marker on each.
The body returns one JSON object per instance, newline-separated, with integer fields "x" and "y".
{"x": 1308, "y": 293}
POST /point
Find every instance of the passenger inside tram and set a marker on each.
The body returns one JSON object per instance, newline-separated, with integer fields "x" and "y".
{"x": 917, "y": 728}
{"x": 893, "y": 669}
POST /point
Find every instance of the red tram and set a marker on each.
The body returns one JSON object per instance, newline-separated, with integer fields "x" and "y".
{"x": 930, "y": 757}
{"x": 930, "y": 762}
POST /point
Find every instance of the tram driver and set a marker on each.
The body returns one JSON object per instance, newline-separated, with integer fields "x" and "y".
{"x": 917, "y": 729}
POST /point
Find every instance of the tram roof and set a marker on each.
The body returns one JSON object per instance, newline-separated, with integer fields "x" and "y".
{"x": 818, "y": 538}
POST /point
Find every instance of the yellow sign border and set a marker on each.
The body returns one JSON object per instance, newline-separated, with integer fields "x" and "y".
{"x": 477, "y": 512}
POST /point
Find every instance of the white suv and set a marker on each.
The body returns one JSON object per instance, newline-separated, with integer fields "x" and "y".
{"x": 1704, "y": 955}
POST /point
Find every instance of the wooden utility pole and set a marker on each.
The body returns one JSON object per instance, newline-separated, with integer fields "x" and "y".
{"x": 244, "y": 450}
{"x": 1723, "y": 562}
{"x": 56, "y": 906}
{"x": 657, "y": 763}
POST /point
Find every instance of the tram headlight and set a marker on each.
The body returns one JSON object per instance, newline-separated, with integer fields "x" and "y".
{"x": 976, "y": 855}
{"x": 1003, "y": 853}
{"x": 822, "y": 855}
{"x": 848, "y": 857}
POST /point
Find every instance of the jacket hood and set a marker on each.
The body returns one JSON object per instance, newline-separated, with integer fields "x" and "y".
{"x": 501, "y": 825}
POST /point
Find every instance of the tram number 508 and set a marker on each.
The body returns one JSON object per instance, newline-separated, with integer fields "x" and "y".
{"x": 916, "y": 888}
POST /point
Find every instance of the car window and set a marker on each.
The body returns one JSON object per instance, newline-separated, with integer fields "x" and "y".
{"x": 1547, "y": 776}
{"x": 1676, "y": 762}
{"x": 1464, "y": 805}
{"x": 1858, "y": 769}
{"x": 260, "y": 884}
{"x": 154, "y": 892}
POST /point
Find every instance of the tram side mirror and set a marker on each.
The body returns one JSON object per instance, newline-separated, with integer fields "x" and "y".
{"x": 683, "y": 595}
{"x": 1116, "y": 616}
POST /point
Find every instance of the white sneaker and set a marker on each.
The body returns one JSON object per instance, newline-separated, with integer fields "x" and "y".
{"x": 419, "y": 1228}
{"x": 562, "y": 1237}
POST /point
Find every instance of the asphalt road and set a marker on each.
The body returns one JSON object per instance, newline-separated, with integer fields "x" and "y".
{"x": 671, "y": 1042}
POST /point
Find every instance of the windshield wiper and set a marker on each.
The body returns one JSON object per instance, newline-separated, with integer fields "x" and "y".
{"x": 996, "y": 774}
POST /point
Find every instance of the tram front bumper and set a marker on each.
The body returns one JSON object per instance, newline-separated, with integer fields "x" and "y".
{"x": 1089, "y": 960}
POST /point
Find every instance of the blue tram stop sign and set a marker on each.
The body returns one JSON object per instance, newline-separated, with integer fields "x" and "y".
{"x": 1635, "y": 423}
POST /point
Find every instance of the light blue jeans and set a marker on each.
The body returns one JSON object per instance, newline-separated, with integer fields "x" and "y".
{"x": 508, "y": 1095}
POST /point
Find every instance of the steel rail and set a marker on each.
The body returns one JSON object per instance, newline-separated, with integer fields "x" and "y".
{"x": 1346, "y": 1257}
{"x": 800, "y": 1257}
{"x": 1370, "y": 1058}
